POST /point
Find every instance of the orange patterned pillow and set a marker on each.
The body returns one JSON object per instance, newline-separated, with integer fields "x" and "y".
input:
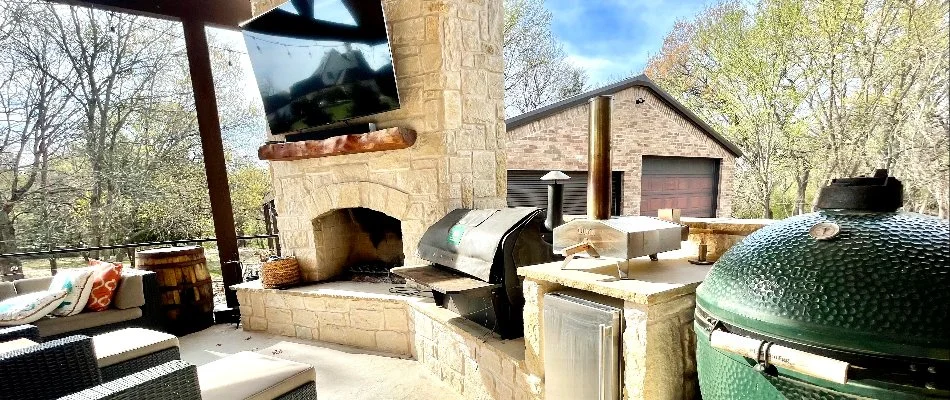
{"x": 104, "y": 281}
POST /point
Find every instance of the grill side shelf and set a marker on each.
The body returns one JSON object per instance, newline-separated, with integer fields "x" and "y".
{"x": 442, "y": 281}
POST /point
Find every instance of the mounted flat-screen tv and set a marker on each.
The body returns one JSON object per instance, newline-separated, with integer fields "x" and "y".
{"x": 320, "y": 62}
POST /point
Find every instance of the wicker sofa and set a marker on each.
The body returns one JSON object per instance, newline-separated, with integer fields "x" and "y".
{"x": 135, "y": 304}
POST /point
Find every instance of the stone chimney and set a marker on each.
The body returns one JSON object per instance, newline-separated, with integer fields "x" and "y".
{"x": 447, "y": 55}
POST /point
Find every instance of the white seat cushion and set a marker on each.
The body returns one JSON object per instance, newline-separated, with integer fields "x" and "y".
{"x": 248, "y": 375}
{"x": 126, "y": 344}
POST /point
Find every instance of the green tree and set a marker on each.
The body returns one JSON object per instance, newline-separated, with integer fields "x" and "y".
{"x": 250, "y": 184}
{"x": 817, "y": 89}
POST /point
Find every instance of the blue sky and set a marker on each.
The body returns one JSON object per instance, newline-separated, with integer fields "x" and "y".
{"x": 612, "y": 39}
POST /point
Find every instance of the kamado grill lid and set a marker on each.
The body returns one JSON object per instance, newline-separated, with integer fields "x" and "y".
{"x": 856, "y": 276}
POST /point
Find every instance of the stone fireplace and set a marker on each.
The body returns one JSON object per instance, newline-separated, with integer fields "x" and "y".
{"x": 447, "y": 56}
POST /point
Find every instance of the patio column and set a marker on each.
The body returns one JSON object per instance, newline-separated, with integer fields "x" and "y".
{"x": 209, "y": 127}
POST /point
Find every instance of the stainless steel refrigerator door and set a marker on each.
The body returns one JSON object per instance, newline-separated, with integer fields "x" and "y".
{"x": 581, "y": 348}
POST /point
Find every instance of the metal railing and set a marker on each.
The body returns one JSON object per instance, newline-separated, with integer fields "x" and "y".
{"x": 84, "y": 249}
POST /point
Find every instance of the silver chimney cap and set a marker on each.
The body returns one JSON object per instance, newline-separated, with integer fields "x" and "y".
{"x": 555, "y": 176}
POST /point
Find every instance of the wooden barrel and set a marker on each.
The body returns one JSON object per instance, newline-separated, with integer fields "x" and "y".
{"x": 185, "y": 286}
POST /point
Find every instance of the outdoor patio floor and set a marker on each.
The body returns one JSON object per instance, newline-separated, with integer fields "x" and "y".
{"x": 342, "y": 372}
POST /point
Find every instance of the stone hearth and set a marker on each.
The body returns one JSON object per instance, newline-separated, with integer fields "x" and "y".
{"x": 448, "y": 60}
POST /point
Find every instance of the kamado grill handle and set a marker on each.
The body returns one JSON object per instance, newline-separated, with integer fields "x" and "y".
{"x": 929, "y": 374}
{"x": 768, "y": 354}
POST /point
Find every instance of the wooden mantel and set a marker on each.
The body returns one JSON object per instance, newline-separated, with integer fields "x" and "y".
{"x": 381, "y": 140}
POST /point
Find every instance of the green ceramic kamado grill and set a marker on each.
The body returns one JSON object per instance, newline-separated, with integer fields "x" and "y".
{"x": 848, "y": 302}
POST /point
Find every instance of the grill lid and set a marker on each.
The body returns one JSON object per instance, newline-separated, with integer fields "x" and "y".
{"x": 854, "y": 280}
{"x": 468, "y": 240}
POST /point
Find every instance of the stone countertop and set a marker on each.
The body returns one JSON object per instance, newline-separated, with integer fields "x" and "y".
{"x": 729, "y": 226}
{"x": 649, "y": 282}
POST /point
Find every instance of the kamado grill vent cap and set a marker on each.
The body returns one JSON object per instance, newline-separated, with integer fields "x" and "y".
{"x": 879, "y": 193}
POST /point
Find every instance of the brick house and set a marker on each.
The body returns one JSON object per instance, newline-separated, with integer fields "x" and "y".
{"x": 662, "y": 155}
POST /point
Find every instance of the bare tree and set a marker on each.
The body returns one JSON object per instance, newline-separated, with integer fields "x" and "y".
{"x": 118, "y": 62}
{"x": 33, "y": 109}
{"x": 536, "y": 70}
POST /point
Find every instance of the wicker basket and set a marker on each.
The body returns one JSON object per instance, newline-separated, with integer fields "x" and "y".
{"x": 280, "y": 273}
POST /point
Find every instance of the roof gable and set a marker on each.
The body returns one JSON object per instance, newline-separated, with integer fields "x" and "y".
{"x": 640, "y": 80}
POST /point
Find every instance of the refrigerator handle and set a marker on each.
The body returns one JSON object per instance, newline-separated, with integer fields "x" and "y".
{"x": 606, "y": 332}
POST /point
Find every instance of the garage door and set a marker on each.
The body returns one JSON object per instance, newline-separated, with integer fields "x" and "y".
{"x": 690, "y": 184}
{"x": 526, "y": 189}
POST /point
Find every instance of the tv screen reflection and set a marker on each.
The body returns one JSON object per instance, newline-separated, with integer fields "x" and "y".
{"x": 321, "y": 62}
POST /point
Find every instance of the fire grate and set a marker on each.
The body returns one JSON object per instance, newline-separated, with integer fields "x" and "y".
{"x": 374, "y": 273}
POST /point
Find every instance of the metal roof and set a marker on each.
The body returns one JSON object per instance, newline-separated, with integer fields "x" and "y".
{"x": 640, "y": 80}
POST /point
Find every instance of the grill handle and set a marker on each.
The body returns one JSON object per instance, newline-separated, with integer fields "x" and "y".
{"x": 768, "y": 353}
{"x": 606, "y": 333}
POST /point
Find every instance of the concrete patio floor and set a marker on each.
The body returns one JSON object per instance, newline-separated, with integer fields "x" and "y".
{"x": 343, "y": 372}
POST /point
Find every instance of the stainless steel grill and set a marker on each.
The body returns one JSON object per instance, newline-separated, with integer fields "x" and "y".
{"x": 475, "y": 255}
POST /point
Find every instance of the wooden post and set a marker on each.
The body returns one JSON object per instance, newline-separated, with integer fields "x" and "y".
{"x": 202, "y": 82}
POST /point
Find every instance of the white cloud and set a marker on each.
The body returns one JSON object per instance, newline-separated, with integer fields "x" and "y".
{"x": 590, "y": 63}
{"x": 602, "y": 70}
{"x": 613, "y": 39}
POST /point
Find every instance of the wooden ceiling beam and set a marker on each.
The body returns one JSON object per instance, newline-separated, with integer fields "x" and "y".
{"x": 227, "y": 14}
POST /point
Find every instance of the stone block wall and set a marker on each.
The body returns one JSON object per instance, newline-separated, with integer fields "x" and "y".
{"x": 659, "y": 349}
{"x": 448, "y": 61}
{"x": 559, "y": 142}
{"x": 720, "y": 234}
{"x": 534, "y": 291}
{"x": 479, "y": 366}
{"x": 466, "y": 356}
{"x": 373, "y": 323}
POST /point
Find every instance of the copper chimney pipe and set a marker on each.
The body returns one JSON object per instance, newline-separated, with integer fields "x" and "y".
{"x": 598, "y": 159}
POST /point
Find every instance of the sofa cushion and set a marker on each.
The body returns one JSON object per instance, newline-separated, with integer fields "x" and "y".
{"x": 125, "y": 344}
{"x": 51, "y": 326}
{"x": 30, "y": 285}
{"x": 248, "y": 375}
{"x": 7, "y": 290}
{"x": 29, "y": 307}
{"x": 78, "y": 284}
{"x": 105, "y": 279}
{"x": 16, "y": 344}
{"x": 130, "y": 292}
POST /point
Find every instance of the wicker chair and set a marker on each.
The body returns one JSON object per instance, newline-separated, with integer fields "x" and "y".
{"x": 20, "y": 332}
{"x": 67, "y": 368}
{"x": 49, "y": 370}
{"x": 172, "y": 380}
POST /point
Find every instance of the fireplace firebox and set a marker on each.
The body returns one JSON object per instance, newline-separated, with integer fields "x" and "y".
{"x": 358, "y": 243}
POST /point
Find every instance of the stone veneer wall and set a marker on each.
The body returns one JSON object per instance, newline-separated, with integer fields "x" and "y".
{"x": 447, "y": 56}
{"x": 723, "y": 232}
{"x": 559, "y": 142}
{"x": 461, "y": 353}
{"x": 379, "y": 323}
